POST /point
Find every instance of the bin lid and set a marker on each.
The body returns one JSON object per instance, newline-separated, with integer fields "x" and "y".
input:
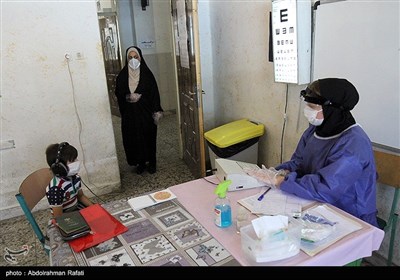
{"x": 234, "y": 132}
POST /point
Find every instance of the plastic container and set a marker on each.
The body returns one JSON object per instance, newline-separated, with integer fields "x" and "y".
{"x": 237, "y": 140}
{"x": 222, "y": 207}
{"x": 280, "y": 246}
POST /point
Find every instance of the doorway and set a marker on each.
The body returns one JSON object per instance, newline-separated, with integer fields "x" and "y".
{"x": 150, "y": 30}
{"x": 111, "y": 55}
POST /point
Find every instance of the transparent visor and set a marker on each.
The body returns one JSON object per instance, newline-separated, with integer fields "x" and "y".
{"x": 310, "y": 97}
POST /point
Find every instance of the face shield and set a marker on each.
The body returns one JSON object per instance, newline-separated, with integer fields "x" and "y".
{"x": 311, "y": 97}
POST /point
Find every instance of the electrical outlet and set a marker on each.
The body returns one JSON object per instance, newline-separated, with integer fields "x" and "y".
{"x": 80, "y": 56}
{"x": 7, "y": 144}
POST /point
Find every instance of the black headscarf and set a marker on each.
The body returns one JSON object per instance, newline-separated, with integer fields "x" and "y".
{"x": 342, "y": 96}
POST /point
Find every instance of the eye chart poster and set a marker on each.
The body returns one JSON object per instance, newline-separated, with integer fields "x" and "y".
{"x": 284, "y": 19}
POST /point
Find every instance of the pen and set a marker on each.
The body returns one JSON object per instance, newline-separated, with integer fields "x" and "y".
{"x": 264, "y": 193}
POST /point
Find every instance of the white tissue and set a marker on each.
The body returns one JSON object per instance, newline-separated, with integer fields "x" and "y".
{"x": 266, "y": 226}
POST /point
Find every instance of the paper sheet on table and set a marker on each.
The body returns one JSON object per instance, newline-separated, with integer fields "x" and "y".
{"x": 275, "y": 202}
{"x": 140, "y": 202}
{"x": 344, "y": 226}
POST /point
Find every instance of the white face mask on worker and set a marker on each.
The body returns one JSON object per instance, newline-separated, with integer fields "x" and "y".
{"x": 311, "y": 115}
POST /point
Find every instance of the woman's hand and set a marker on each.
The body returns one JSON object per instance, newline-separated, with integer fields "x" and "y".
{"x": 157, "y": 116}
{"x": 133, "y": 97}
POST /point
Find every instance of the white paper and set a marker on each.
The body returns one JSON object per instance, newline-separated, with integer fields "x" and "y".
{"x": 140, "y": 202}
{"x": 182, "y": 34}
{"x": 267, "y": 225}
{"x": 275, "y": 202}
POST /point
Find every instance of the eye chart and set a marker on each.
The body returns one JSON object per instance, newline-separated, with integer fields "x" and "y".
{"x": 291, "y": 27}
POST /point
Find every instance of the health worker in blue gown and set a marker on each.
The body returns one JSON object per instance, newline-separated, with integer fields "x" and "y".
{"x": 333, "y": 161}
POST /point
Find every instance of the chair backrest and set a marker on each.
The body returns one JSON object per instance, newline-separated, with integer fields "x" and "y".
{"x": 387, "y": 166}
{"x": 31, "y": 191}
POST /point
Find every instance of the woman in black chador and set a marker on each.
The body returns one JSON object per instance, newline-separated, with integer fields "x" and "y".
{"x": 139, "y": 105}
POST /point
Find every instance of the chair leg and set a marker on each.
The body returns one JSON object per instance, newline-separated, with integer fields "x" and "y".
{"x": 392, "y": 236}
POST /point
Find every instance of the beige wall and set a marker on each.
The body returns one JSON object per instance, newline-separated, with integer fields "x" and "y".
{"x": 40, "y": 104}
{"x": 243, "y": 82}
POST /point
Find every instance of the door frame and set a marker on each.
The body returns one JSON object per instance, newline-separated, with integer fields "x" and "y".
{"x": 201, "y": 142}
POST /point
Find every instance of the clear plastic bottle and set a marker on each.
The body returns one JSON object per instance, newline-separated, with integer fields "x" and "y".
{"x": 222, "y": 209}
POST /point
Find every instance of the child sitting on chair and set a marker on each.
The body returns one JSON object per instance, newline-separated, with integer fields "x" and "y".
{"x": 64, "y": 190}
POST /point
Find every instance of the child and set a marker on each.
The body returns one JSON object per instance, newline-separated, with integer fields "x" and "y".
{"x": 64, "y": 190}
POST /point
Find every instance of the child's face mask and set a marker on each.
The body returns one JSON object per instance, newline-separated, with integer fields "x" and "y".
{"x": 74, "y": 168}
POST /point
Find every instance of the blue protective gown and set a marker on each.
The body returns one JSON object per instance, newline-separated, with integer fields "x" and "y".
{"x": 339, "y": 170}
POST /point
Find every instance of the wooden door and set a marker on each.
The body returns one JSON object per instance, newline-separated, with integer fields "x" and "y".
{"x": 187, "y": 53}
{"x": 111, "y": 55}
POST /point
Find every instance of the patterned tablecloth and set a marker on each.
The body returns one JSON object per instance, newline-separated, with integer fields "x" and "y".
{"x": 161, "y": 235}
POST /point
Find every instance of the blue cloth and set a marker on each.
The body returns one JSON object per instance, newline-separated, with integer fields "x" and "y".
{"x": 339, "y": 170}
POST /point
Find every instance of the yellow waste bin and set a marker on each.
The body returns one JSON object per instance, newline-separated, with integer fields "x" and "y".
{"x": 237, "y": 140}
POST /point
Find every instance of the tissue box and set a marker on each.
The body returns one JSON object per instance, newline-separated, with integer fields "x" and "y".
{"x": 278, "y": 246}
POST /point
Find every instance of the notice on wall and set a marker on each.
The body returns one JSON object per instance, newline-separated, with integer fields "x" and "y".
{"x": 182, "y": 34}
{"x": 147, "y": 44}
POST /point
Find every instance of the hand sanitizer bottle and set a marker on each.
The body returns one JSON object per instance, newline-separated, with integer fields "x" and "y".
{"x": 222, "y": 209}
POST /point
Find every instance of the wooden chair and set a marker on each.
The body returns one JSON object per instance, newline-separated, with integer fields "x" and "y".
{"x": 388, "y": 173}
{"x": 31, "y": 191}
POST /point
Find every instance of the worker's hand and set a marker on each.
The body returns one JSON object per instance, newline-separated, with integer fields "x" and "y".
{"x": 278, "y": 180}
{"x": 269, "y": 176}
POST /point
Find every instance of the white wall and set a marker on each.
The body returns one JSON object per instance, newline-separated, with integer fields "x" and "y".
{"x": 126, "y": 27}
{"x": 206, "y": 61}
{"x": 154, "y": 24}
{"x": 37, "y": 94}
{"x": 378, "y": 83}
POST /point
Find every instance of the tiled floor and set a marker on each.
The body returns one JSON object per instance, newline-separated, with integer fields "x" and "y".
{"x": 171, "y": 170}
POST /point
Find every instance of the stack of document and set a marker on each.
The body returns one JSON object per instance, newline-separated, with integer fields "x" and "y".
{"x": 275, "y": 202}
{"x": 140, "y": 202}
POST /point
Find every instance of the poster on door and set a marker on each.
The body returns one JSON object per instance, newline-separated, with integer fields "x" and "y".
{"x": 182, "y": 34}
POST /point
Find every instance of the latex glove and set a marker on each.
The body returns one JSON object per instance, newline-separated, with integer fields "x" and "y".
{"x": 133, "y": 97}
{"x": 267, "y": 176}
{"x": 157, "y": 116}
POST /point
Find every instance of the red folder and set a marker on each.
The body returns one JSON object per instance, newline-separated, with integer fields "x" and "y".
{"x": 103, "y": 226}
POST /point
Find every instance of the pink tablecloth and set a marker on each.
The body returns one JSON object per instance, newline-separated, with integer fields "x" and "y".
{"x": 198, "y": 198}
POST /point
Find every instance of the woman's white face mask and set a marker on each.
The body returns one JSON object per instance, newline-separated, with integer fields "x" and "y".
{"x": 74, "y": 168}
{"x": 134, "y": 63}
{"x": 311, "y": 115}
